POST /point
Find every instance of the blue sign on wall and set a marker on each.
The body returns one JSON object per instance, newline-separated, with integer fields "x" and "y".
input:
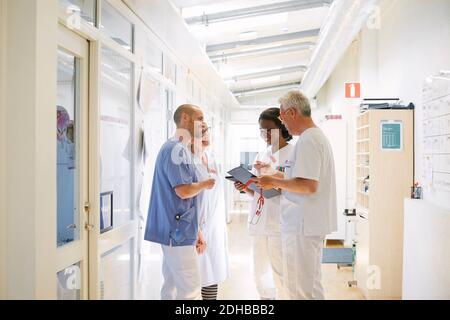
{"x": 391, "y": 135}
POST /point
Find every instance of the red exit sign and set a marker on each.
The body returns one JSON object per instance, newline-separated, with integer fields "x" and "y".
{"x": 353, "y": 90}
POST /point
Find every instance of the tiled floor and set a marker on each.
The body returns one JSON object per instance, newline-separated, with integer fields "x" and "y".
{"x": 240, "y": 286}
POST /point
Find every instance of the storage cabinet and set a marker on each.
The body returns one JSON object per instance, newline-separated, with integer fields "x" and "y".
{"x": 385, "y": 175}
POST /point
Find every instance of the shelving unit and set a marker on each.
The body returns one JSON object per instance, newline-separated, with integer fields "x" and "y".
{"x": 363, "y": 161}
{"x": 384, "y": 178}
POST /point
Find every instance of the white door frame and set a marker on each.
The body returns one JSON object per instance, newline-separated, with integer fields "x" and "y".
{"x": 77, "y": 251}
{"x": 99, "y": 243}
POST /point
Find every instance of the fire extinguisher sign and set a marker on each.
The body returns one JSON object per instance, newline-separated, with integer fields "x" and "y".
{"x": 352, "y": 90}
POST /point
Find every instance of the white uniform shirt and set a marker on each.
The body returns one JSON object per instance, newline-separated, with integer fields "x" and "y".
{"x": 269, "y": 220}
{"x": 316, "y": 214}
{"x": 213, "y": 263}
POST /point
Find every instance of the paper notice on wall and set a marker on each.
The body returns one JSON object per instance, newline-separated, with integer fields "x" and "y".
{"x": 442, "y": 181}
{"x": 391, "y": 135}
{"x": 148, "y": 93}
{"x": 434, "y": 122}
{"x": 427, "y": 171}
{"x": 147, "y": 170}
{"x": 146, "y": 140}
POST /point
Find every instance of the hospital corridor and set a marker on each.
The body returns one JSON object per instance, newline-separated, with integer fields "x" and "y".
{"x": 231, "y": 150}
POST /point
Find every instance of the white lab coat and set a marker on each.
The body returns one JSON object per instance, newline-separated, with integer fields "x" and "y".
{"x": 214, "y": 266}
{"x": 266, "y": 238}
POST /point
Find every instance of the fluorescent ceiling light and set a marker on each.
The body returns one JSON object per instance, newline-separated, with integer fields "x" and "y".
{"x": 225, "y": 71}
{"x": 248, "y": 35}
{"x": 229, "y": 82}
{"x": 260, "y": 69}
{"x": 265, "y": 80}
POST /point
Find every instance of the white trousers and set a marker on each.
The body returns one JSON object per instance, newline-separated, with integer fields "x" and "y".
{"x": 302, "y": 261}
{"x": 268, "y": 267}
{"x": 181, "y": 274}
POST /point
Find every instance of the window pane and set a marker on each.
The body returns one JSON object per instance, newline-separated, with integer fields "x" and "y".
{"x": 69, "y": 283}
{"x": 153, "y": 57}
{"x": 169, "y": 106}
{"x": 86, "y": 8}
{"x": 116, "y": 273}
{"x": 116, "y": 26}
{"x": 67, "y": 146}
{"x": 170, "y": 69}
{"x": 116, "y": 144}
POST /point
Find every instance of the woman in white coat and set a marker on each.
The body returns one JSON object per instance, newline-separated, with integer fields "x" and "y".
{"x": 264, "y": 217}
{"x": 213, "y": 260}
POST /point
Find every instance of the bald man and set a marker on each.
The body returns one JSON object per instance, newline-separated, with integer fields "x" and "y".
{"x": 172, "y": 216}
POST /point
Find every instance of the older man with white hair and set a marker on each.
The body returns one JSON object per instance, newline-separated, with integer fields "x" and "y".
{"x": 309, "y": 182}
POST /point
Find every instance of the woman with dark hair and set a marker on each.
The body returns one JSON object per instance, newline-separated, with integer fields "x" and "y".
{"x": 264, "y": 217}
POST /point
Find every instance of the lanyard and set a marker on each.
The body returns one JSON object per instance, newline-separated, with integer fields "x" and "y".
{"x": 258, "y": 212}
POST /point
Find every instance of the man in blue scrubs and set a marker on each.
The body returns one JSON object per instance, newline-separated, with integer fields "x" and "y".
{"x": 173, "y": 212}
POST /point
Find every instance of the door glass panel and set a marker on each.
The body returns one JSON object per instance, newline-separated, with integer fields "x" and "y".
{"x": 117, "y": 26}
{"x": 86, "y": 9}
{"x": 153, "y": 56}
{"x": 69, "y": 283}
{"x": 116, "y": 272}
{"x": 116, "y": 145}
{"x": 67, "y": 146}
{"x": 169, "y": 106}
{"x": 170, "y": 69}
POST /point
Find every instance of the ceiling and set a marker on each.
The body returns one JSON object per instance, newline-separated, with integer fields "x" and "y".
{"x": 260, "y": 48}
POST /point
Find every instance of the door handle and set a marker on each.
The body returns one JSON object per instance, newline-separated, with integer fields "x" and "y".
{"x": 89, "y": 227}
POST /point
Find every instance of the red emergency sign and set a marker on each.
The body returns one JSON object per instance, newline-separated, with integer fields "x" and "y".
{"x": 353, "y": 90}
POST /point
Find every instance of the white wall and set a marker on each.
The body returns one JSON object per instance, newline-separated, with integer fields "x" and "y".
{"x": 331, "y": 98}
{"x": 414, "y": 43}
{"x": 30, "y": 203}
{"x": 2, "y": 152}
{"x": 426, "y": 259}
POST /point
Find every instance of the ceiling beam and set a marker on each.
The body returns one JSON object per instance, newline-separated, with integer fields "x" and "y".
{"x": 257, "y": 11}
{"x": 263, "y": 40}
{"x": 193, "y": 3}
{"x": 263, "y": 51}
{"x": 252, "y": 92}
{"x": 269, "y": 73}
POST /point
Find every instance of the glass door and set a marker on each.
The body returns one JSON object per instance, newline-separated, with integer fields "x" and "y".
{"x": 169, "y": 105}
{"x": 72, "y": 166}
{"x": 118, "y": 226}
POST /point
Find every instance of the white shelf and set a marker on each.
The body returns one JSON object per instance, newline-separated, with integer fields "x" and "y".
{"x": 376, "y": 244}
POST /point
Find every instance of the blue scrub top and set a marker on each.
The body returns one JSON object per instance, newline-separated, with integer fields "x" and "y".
{"x": 172, "y": 220}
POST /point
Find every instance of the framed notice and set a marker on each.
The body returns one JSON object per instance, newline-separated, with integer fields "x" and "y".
{"x": 106, "y": 211}
{"x": 391, "y": 135}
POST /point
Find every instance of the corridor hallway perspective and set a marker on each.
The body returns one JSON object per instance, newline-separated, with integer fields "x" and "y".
{"x": 224, "y": 149}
